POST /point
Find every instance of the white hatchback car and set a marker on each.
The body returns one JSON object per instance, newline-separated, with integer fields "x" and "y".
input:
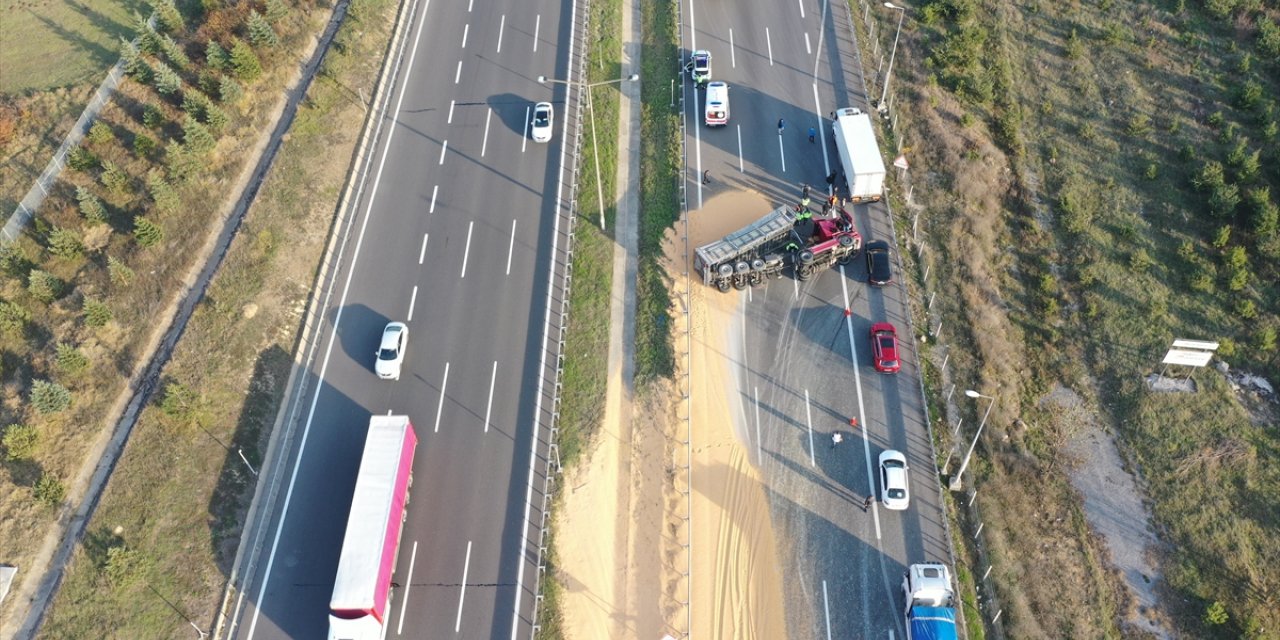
{"x": 543, "y": 119}
{"x": 893, "y": 480}
{"x": 395, "y": 337}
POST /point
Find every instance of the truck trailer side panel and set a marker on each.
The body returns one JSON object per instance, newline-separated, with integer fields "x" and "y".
{"x": 362, "y": 586}
{"x": 859, "y": 154}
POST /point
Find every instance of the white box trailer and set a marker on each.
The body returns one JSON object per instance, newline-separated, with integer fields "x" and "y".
{"x": 362, "y": 587}
{"x": 859, "y": 154}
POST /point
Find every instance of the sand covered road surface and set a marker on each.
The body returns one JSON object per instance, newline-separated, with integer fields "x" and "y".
{"x": 625, "y": 519}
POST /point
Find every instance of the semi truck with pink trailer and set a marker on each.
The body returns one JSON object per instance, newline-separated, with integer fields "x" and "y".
{"x": 362, "y": 588}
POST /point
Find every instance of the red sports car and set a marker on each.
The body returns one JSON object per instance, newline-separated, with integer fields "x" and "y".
{"x": 884, "y": 347}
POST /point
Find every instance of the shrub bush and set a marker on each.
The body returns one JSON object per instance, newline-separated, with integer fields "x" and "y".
{"x": 91, "y": 206}
{"x": 44, "y": 286}
{"x": 152, "y": 116}
{"x": 144, "y": 146}
{"x": 146, "y": 232}
{"x": 49, "y": 397}
{"x": 70, "y": 359}
{"x": 196, "y": 137}
{"x": 65, "y": 243}
{"x": 81, "y": 159}
{"x": 13, "y": 318}
{"x": 120, "y": 273}
{"x": 261, "y": 33}
{"x": 49, "y": 490}
{"x": 100, "y": 134}
{"x": 20, "y": 441}
{"x": 115, "y": 179}
{"x": 215, "y": 57}
{"x": 96, "y": 312}
{"x": 244, "y": 62}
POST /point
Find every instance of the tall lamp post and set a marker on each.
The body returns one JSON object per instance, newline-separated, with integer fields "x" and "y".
{"x": 591, "y": 108}
{"x": 889, "y": 74}
{"x": 955, "y": 480}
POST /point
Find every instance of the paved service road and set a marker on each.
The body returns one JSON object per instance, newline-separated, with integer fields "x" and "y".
{"x": 453, "y": 234}
{"x": 806, "y": 368}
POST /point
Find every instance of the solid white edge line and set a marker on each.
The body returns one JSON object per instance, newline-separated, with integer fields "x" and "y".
{"x": 546, "y": 335}
{"x": 808, "y": 419}
{"x": 462, "y": 593}
{"x": 537, "y": 24}
{"x": 413, "y": 300}
{"x": 525, "y": 140}
{"x": 822, "y": 136}
{"x": 488, "y": 410}
{"x": 444, "y": 384}
{"x": 404, "y": 600}
{"x": 502, "y": 26}
{"x": 511, "y": 249}
{"x": 782, "y": 152}
{"x": 826, "y": 608}
{"x": 741, "y": 167}
{"x": 443, "y": 149}
{"x": 857, "y": 385}
{"x": 484, "y": 144}
{"x": 467, "y": 252}
{"x": 422, "y": 255}
{"x": 465, "y": 28}
{"x": 434, "y": 190}
{"x": 697, "y": 130}
{"x": 333, "y": 337}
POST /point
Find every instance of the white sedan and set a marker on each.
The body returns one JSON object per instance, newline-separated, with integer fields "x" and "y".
{"x": 395, "y": 337}
{"x": 543, "y": 119}
{"x": 893, "y": 481}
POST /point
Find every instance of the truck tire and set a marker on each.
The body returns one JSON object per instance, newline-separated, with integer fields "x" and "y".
{"x": 739, "y": 283}
{"x": 845, "y": 241}
{"x": 805, "y": 256}
{"x": 805, "y": 272}
{"x": 723, "y": 285}
{"x": 725, "y": 270}
{"x": 757, "y": 279}
{"x": 845, "y": 258}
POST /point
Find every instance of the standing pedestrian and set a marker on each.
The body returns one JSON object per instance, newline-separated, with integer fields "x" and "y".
{"x": 836, "y": 439}
{"x": 782, "y": 124}
{"x": 805, "y": 193}
{"x": 706, "y": 176}
{"x": 812, "y": 134}
{"x": 866, "y": 504}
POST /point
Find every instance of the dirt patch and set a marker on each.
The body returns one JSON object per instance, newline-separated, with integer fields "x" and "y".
{"x": 1113, "y": 504}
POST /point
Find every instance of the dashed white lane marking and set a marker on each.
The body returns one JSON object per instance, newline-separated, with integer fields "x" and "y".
{"x": 537, "y": 23}
{"x": 769, "y": 41}
{"x": 467, "y": 252}
{"x": 502, "y": 26}
{"x": 422, "y": 254}
{"x": 462, "y": 593}
{"x": 413, "y": 300}
{"x": 511, "y": 249}
{"x": 404, "y": 601}
{"x": 488, "y": 410}
{"x": 434, "y": 190}
{"x": 485, "y": 143}
{"x": 440, "y": 407}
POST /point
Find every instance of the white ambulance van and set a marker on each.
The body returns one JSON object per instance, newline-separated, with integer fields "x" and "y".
{"x": 717, "y": 112}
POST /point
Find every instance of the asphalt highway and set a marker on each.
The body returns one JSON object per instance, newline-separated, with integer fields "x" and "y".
{"x": 806, "y": 366}
{"x": 454, "y": 234}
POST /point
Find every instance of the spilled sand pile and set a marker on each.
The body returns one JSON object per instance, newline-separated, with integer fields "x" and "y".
{"x": 626, "y": 518}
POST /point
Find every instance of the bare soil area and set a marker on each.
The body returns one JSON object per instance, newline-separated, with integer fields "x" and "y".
{"x": 626, "y": 516}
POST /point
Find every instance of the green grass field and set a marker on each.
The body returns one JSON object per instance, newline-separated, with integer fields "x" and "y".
{"x": 1099, "y": 179}
{"x": 46, "y": 44}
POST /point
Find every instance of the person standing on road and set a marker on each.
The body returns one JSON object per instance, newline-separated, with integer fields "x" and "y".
{"x": 706, "y": 176}
{"x": 836, "y": 439}
{"x": 782, "y": 124}
{"x": 866, "y": 504}
{"x": 813, "y": 133}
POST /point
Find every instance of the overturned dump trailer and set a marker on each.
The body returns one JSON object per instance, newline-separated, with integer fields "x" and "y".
{"x": 784, "y": 236}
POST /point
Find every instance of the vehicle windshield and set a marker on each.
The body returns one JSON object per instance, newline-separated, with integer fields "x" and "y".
{"x": 387, "y": 354}
{"x": 540, "y": 118}
{"x": 896, "y": 494}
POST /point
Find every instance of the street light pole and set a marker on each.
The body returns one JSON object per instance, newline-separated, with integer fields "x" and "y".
{"x": 956, "y": 479}
{"x": 591, "y": 110}
{"x": 889, "y": 74}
